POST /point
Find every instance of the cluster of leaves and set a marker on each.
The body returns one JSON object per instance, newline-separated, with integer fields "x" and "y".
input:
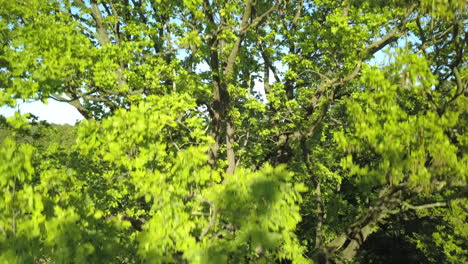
{"x": 137, "y": 186}
{"x": 234, "y": 131}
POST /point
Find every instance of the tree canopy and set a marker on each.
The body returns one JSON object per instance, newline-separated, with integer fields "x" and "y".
{"x": 229, "y": 131}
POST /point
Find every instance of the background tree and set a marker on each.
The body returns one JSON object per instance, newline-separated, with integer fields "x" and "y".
{"x": 183, "y": 157}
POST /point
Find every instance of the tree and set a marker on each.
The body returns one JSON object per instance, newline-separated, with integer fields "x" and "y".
{"x": 184, "y": 157}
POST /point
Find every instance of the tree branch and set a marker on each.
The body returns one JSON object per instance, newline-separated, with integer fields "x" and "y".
{"x": 321, "y": 216}
{"x": 75, "y": 102}
{"x": 235, "y": 50}
{"x": 256, "y": 22}
{"x": 389, "y": 199}
{"x": 269, "y": 64}
{"x": 424, "y": 206}
{"x": 103, "y": 37}
{"x": 212, "y": 218}
{"x": 390, "y": 37}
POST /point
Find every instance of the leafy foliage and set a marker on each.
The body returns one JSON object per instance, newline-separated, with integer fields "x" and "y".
{"x": 234, "y": 131}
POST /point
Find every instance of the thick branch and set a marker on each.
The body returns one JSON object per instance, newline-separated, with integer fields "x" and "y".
{"x": 228, "y": 71}
{"x": 235, "y": 50}
{"x": 75, "y": 102}
{"x": 213, "y": 214}
{"x": 102, "y": 35}
{"x": 258, "y": 20}
{"x": 321, "y": 216}
{"x": 424, "y": 206}
{"x": 269, "y": 65}
{"x": 390, "y": 37}
{"x": 356, "y": 234}
{"x": 218, "y": 92}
